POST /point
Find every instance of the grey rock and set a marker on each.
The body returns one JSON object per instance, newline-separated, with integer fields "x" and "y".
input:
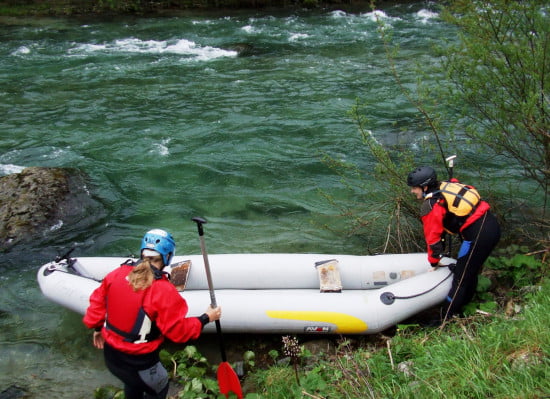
{"x": 31, "y": 202}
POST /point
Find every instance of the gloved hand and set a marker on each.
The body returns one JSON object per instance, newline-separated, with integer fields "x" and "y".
{"x": 451, "y": 266}
{"x": 437, "y": 249}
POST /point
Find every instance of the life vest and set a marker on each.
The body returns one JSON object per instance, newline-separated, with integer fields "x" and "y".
{"x": 461, "y": 199}
{"x": 143, "y": 328}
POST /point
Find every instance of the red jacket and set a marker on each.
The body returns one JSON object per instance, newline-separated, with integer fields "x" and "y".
{"x": 161, "y": 302}
{"x": 436, "y": 220}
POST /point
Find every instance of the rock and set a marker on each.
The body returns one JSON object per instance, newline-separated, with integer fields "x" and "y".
{"x": 13, "y": 392}
{"x": 319, "y": 347}
{"x": 243, "y": 49}
{"x": 525, "y": 358}
{"x": 406, "y": 368}
{"x": 31, "y": 202}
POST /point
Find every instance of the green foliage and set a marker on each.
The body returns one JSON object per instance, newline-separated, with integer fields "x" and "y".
{"x": 101, "y": 7}
{"x": 386, "y": 218}
{"x": 108, "y": 392}
{"x": 274, "y": 354}
{"x": 190, "y": 370}
{"x": 495, "y": 95}
{"x": 500, "y": 75}
{"x": 249, "y": 359}
{"x": 516, "y": 268}
{"x": 123, "y": 5}
{"x": 385, "y": 215}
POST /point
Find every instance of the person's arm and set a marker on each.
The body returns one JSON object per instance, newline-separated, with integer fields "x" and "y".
{"x": 95, "y": 314}
{"x": 432, "y": 221}
{"x": 96, "y": 311}
{"x": 169, "y": 311}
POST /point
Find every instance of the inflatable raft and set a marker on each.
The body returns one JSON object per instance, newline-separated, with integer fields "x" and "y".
{"x": 279, "y": 293}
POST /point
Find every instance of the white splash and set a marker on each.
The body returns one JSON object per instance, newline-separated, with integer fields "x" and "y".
{"x": 162, "y": 147}
{"x": 21, "y": 51}
{"x": 338, "y": 14}
{"x": 426, "y": 15}
{"x": 298, "y": 36}
{"x": 180, "y": 47}
{"x": 57, "y": 226}
{"x": 8, "y": 169}
{"x": 88, "y": 48}
{"x": 379, "y": 15}
{"x": 248, "y": 29}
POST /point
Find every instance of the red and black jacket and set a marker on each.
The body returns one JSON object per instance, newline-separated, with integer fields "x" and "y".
{"x": 436, "y": 220}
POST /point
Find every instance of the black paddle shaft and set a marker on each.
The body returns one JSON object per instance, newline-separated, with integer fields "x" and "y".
{"x": 200, "y": 221}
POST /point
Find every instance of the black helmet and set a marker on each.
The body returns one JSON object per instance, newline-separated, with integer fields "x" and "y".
{"x": 422, "y": 176}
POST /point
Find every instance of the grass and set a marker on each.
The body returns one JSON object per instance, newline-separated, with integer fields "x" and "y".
{"x": 478, "y": 357}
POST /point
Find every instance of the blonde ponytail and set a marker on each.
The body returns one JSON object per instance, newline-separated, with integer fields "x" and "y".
{"x": 141, "y": 277}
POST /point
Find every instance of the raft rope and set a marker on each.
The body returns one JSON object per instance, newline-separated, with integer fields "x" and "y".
{"x": 66, "y": 267}
{"x": 388, "y": 298}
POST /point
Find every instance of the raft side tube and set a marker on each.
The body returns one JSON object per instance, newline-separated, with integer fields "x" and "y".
{"x": 305, "y": 311}
{"x": 280, "y": 271}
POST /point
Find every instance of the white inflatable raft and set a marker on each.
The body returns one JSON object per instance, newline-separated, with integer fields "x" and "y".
{"x": 280, "y": 293}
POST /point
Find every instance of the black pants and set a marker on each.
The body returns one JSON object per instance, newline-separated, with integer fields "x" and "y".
{"x": 479, "y": 240}
{"x": 141, "y": 374}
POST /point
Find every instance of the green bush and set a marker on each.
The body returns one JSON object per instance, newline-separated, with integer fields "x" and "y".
{"x": 515, "y": 268}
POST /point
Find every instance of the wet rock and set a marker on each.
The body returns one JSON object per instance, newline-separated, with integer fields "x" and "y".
{"x": 14, "y": 392}
{"x": 243, "y": 49}
{"x": 31, "y": 202}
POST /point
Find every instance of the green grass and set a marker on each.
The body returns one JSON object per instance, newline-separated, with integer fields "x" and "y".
{"x": 478, "y": 357}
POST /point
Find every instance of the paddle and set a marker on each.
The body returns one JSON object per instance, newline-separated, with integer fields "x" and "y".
{"x": 227, "y": 378}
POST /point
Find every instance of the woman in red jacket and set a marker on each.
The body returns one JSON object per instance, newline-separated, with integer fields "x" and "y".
{"x": 479, "y": 232}
{"x": 132, "y": 311}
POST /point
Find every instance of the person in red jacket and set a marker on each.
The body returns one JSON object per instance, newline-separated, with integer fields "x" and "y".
{"x": 479, "y": 232}
{"x": 132, "y": 311}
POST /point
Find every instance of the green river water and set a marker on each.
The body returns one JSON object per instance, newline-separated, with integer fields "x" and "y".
{"x": 168, "y": 122}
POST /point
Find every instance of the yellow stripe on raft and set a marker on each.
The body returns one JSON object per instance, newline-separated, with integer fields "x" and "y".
{"x": 345, "y": 324}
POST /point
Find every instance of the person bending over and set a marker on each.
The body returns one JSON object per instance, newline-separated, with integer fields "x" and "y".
{"x": 476, "y": 226}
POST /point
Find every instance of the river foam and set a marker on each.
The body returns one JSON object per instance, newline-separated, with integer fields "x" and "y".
{"x": 133, "y": 45}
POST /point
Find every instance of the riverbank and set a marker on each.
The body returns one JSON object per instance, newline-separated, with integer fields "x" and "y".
{"x": 58, "y": 8}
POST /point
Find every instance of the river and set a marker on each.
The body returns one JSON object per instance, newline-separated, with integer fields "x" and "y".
{"x": 169, "y": 121}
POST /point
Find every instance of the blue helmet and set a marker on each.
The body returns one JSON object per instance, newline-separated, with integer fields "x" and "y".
{"x": 160, "y": 241}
